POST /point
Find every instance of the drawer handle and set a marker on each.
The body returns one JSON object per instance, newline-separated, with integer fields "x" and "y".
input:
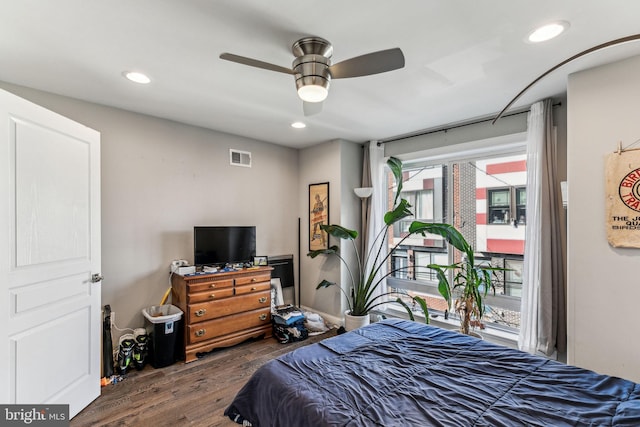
{"x": 262, "y": 300}
{"x": 254, "y": 289}
{"x": 254, "y": 279}
{"x": 201, "y": 332}
{"x": 201, "y": 312}
{"x": 263, "y": 316}
{"x": 213, "y": 285}
{"x": 212, "y": 296}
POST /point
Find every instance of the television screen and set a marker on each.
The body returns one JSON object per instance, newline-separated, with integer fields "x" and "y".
{"x": 223, "y": 245}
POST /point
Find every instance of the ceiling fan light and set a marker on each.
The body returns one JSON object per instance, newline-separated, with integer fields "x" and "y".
{"x": 313, "y": 93}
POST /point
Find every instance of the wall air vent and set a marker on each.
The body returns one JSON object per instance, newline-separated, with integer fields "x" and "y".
{"x": 240, "y": 158}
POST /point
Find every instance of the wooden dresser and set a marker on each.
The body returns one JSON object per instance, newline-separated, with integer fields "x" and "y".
{"x": 223, "y": 309}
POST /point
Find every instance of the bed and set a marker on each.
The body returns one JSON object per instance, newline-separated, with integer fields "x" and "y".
{"x": 402, "y": 373}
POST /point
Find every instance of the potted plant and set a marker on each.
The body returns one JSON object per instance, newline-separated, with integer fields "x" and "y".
{"x": 470, "y": 284}
{"x": 364, "y": 296}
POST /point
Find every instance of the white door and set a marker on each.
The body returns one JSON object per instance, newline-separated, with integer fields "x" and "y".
{"x": 50, "y": 310}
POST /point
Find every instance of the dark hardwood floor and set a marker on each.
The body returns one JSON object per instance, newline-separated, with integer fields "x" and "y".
{"x": 194, "y": 394}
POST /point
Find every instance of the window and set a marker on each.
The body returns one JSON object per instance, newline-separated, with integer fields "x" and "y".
{"x": 473, "y": 194}
{"x": 499, "y": 206}
{"x": 513, "y": 278}
{"x": 399, "y": 264}
{"x": 521, "y": 205}
{"x": 507, "y": 206}
{"x": 411, "y": 264}
{"x": 422, "y": 201}
{"x": 426, "y": 258}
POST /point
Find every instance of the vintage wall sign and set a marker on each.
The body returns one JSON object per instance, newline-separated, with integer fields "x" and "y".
{"x": 623, "y": 198}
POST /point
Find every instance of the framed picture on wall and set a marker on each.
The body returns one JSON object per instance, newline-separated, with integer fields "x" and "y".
{"x": 318, "y": 215}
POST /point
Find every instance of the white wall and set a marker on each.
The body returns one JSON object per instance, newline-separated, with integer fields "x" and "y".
{"x": 603, "y": 286}
{"x": 159, "y": 179}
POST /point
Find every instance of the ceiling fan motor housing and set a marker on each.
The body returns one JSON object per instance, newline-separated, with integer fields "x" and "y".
{"x": 312, "y": 46}
{"x": 312, "y": 62}
{"x": 312, "y": 70}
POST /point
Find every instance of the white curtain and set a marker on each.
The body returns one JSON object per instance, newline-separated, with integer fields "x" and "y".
{"x": 378, "y": 206}
{"x": 543, "y": 314}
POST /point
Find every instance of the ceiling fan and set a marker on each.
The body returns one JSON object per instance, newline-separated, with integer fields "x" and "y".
{"x": 313, "y": 70}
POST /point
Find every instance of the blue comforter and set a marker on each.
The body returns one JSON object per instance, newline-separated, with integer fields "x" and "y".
{"x": 401, "y": 373}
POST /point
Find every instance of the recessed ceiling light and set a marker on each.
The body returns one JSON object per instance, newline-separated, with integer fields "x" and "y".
{"x": 298, "y": 125}
{"x": 137, "y": 77}
{"x": 548, "y": 31}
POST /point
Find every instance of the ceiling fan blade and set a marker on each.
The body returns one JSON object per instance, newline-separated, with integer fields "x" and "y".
{"x": 255, "y": 63}
{"x": 370, "y": 63}
{"x": 311, "y": 108}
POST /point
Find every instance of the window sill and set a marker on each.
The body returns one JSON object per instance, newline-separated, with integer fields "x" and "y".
{"x": 498, "y": 336}
{"x": 494, "y": 335}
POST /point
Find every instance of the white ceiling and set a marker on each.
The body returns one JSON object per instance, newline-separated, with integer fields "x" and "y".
{"x": 465, "y": 59}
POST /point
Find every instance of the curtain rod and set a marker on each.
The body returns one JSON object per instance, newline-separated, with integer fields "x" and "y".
{"x": 446, "y": 129}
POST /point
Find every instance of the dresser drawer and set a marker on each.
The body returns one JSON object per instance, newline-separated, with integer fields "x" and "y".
{"x": 210, "y": 295}
{"x": 224, "y": 307}
{"x": 255, "y": 278}
{"x": 208, "y": 283}
{"x": 218, "y": 327}
{"x": 252, "y": 288}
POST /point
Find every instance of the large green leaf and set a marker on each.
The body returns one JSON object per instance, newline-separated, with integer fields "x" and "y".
{"x": 406, "y": 307}
{"x": 340, "y": 231}
{"x": 332, "y": 250}
{"x": 443, "y": 284}
{"x": 423, "y": 304}
{"x": 400, "y": 211}
{"x": 449, "y": 232}
{"x": 396, "y": 168}
{"x": 325, "y": 284}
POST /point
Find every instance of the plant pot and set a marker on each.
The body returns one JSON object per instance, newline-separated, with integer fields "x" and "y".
{"x": 355, "y": 322}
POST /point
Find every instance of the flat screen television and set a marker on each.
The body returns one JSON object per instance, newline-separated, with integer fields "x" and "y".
{"x": 219, "y": 245}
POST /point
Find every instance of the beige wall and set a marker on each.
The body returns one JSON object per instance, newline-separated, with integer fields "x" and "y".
{"x": 159, "y": 179}
{"x": 339, "y": 163}
{"x": 603, "y": 285}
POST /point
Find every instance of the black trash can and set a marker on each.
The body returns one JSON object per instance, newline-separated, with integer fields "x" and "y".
{"x": 165, "y": 332}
